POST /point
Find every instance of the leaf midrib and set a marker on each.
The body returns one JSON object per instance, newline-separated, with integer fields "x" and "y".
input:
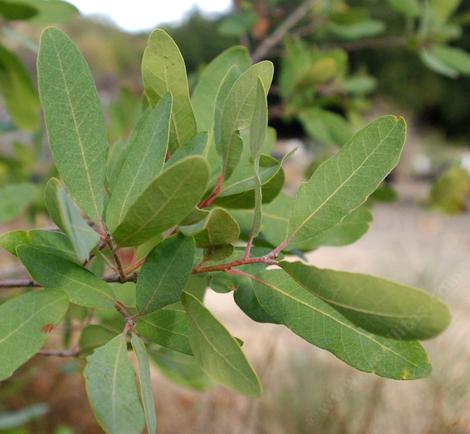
{"x": 353, "y": 173}
{"x": 341, "y": 323}
{"x": 75, "y": 124}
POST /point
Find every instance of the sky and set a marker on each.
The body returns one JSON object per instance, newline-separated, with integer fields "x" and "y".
{"x": 136, "y": 15}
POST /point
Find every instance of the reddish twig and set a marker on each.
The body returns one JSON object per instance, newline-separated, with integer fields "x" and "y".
{"x": 215, "y": 193}
{"x": 237, "y": 263}
{"x": 117, "y": 260}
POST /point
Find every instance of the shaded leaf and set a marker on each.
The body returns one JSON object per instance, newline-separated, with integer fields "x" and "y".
{"x": 111, "y": 389}
{"x": 145, "y": 384}
{"x": 94, "y": 336}
{"x": 166, "y": 327}
{"x": 218, "y": 353}
{"x": 66, "y": 215}
{"x": 18, "y": 91}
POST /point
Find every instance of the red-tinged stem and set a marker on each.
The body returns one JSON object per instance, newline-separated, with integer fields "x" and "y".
{"x": 117, "y": 260}
{"x": 229, "y": 265}
{"x": 135, "y": 266}
{"x": 215, "y": 193}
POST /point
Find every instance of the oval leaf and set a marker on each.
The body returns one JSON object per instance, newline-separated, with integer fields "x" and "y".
{"x": 343, "y": 182}
{"x": 218, "y": 353}
{"x": 143, "y": 162}
{"x": 378, "y": 305}
{"x": 167, "y": 201}
{"x": 111, "y": 389}
{"x": 55, "y": 272}
{"x": 320, "y": 324}
{"x": 74, "y": 120}
{"x": 163, "y": 71}
{"x": 165, "y": 273}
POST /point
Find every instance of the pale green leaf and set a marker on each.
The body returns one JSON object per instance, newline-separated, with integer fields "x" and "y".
{"x": 111, "y": 389}
{"x": 218, "y": 353}
{"x": 55, "y": 272}
{"x": 66, "y": 215}
{"x": 238, "y": 111}
{"x": 167, "y": 327}
{"x": 74, "y": 120}
{"x": 437, "y": 65}
{"x": 409, "y": 8}
{"x": 168, "y": 199}
{"x": 377, "y": 305}
{"x": 325, "y": 126}
{"x": 163, "y": 70}
{"x": 24, "y": 326}
{"x": 357, "y": 30}
{"x": 143, "y": 162}
{"x": 345, "y": 181}
{"x": 205, "y": 92}
{"x": 165, "y": 273}
{"x": 454, "y": 57}
{"x": 18, "y": 91}
{"x": 14, "y": 199}
{"x": 320, "y": 324}
{"x": 145, "y": 382}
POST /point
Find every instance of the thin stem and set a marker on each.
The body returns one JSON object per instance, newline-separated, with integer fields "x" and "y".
{"x": 215, "y": 193}
{"x": 60, "y": 353}
{"x": 272, "y": 40}
{"x": 385, "y": 42}
{"x": 117, "y": 260}
{"x": 237, "y": 263}
{"x": 135, "y": 266}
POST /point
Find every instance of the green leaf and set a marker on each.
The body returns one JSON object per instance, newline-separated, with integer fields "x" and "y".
{"x": 349, "y": 230}
{"x": 55, "y": 272}
{"x": 361, "y": 29}
{"x": 145, "y": 384}
{"x": 15, "y": 198}
{"x": 11, "y": 240}
{"x": 238, "y": 112}
{"x": 163, "y": 71}
{"x": 320, "y": 324}
{"x": 449, "y": 192}
{"x": 326, "y": 126}
{"x": 205, "y": 92}
{"x": 24, "y": 325}
{"x": 165, "y": 273}
{"x": 74, "y": 119}
{"x": 409, "y": 8}
{"x": 453, "y": 57}
{"x": 259, "y": 121}
{"x": 94, "y": 336}
{"x": 344, "y": 182}
{"x": 181, "y": 369}
{"x": 166, "y": 327}
{"x": 143, "y": 162}
{"x": 56, "y": 11}
{"x": 167, "y": 200}
{"x": 111, "y": 389}
{"x": 217, "y": 228}
{"x": 218, "y": 353}
{"x": 66, "y": 215}
{"x": 18, "y": 91}
{"x": 437, "y": 65}
{"x": 12, "y": 10}
{"x": 377, "y": 305}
